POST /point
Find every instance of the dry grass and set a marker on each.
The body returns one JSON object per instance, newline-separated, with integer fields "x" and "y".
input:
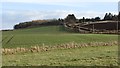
{"x": 43, "y": 48}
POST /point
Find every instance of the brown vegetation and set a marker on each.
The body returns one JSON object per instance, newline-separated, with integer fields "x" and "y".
{"x": 32, "y": 49}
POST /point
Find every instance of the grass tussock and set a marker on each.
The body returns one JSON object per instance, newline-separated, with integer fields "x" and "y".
{"x": 32, "y": 49}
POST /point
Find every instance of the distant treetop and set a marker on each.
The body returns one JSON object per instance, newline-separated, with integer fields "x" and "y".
{"x": 70, "y": 18}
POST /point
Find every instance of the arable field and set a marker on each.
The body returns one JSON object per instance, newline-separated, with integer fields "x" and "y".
{"x": 54, "y": 36}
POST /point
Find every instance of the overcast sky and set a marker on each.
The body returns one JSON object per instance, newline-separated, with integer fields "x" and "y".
{"x": 16, "y": 11}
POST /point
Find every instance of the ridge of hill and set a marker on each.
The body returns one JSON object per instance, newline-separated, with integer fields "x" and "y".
{"x": 38, "y": 30}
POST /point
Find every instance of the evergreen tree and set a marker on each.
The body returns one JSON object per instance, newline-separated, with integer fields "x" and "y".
{"x": 70, "y": 19}
{"x": 97, "y": 18}
{"x": 108, "y": 16}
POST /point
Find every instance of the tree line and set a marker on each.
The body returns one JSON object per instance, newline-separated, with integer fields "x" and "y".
{"x": 35, "y": 23}
{"x": 69, "y": 19}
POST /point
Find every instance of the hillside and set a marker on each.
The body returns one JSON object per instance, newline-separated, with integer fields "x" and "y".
{"x": 108, "y": 25}
{"x": 103, "y": 25}
{"x": 49, "y": 35}
{"x": 56, "y": 47}
{"x": 38, "y": 30}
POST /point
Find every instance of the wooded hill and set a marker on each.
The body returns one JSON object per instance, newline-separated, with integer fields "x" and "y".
{"x": 69, "y": 19}
{"x": 109, "y": 22}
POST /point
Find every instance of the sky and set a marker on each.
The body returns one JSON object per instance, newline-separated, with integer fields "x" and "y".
{"x": 16, "y": 11}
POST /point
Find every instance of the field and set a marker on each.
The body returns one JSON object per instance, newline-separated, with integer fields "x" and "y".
{"x": 54, "y": 36}
{"x": 51, "y": 35}
{"x": 88, "y": 56}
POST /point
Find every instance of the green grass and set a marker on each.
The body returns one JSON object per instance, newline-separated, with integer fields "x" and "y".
{"x": 87, "y": 56}
{"x": 38, "y": 30}
{"x": 49, "y": 35}
{"x": 54, "y": 35}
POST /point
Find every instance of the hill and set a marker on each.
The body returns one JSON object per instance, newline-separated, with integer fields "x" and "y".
{"x": 57, "y": 47}
{"x": 47, "y": 43}
{"x": 38, "y": 30}
{"x": 49, "y": 35}
{"x": 103, "y": 26}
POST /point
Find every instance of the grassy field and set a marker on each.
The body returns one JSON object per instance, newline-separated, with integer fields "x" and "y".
{"x": 55, "y": 35}
{"x": 51, "y": 35}
{"x": 87, "y": 56}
